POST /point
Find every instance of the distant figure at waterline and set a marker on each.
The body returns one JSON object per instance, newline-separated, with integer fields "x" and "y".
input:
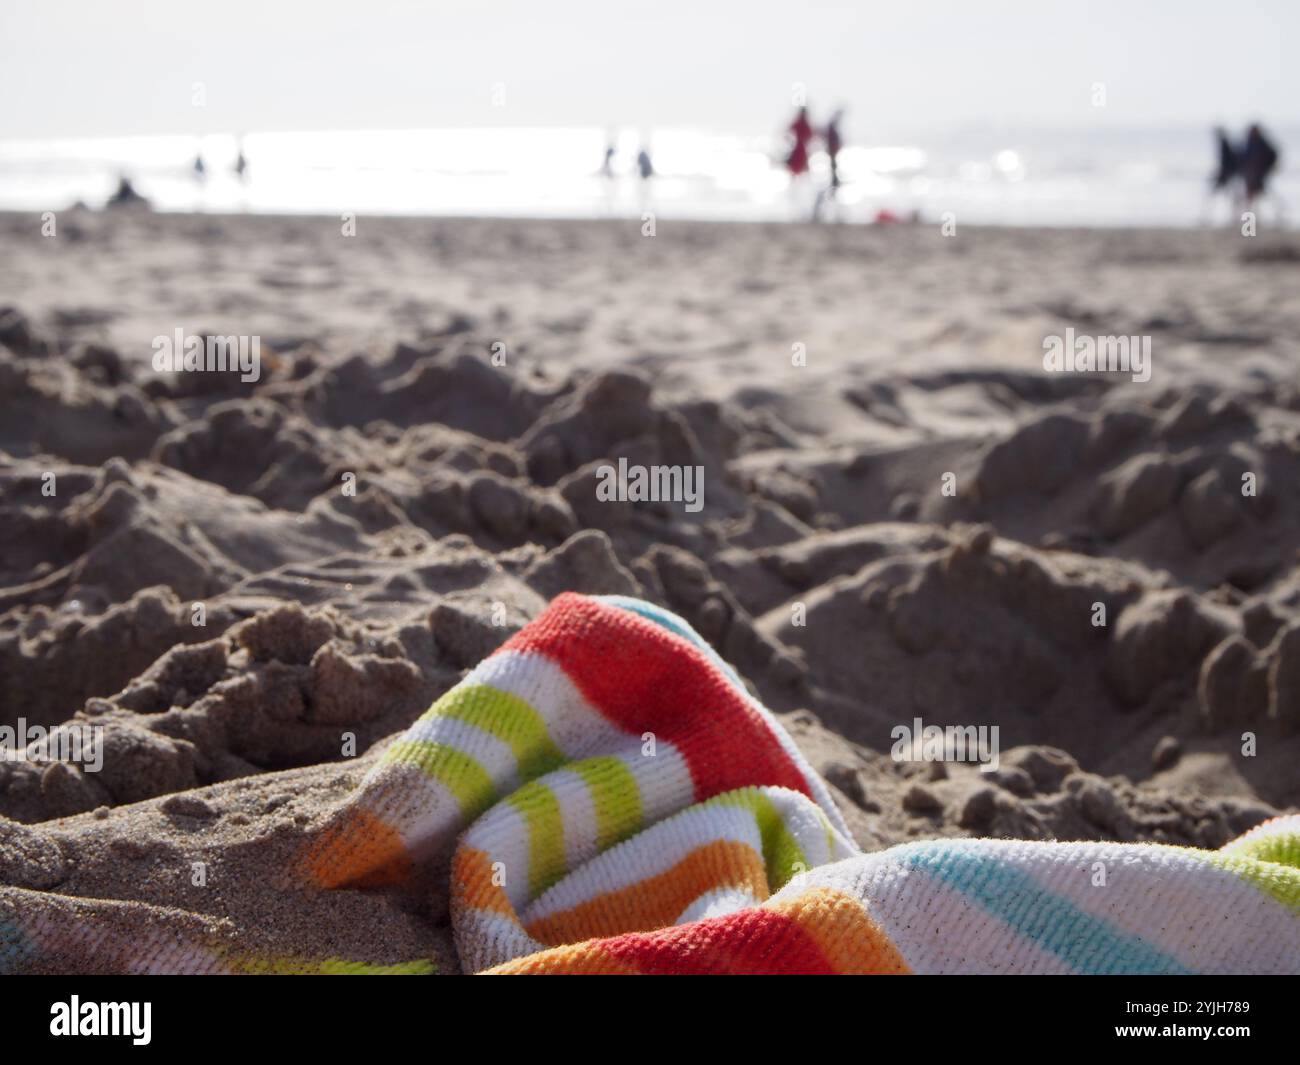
{"x": 1228, "y": 162}
{"x": 834, "y": 140}
{"x": 125, "y": 195}
{"x": 1257, "y": 162}
{"x": 800, "y": 132}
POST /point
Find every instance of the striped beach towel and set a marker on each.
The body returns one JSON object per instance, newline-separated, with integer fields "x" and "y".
{"x": 602, "y": 795}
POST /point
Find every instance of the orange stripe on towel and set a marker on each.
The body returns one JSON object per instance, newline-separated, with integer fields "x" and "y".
{"x": 852, "y": 942}
{"x": 361, "y": 851}
{"x": 659, "y": 900}
{"x": 472, "y": 886}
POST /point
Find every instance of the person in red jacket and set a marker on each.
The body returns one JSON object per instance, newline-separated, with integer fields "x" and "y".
{"x": 801, "y": 132}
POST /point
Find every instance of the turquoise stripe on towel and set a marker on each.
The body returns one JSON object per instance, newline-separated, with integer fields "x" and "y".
{"x": 1083, "y": 941}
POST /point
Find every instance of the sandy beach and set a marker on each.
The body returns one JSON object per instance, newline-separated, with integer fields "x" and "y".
{"x": 252, "y": 585}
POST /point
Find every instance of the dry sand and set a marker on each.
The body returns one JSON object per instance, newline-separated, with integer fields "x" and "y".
{"x": 329, "y": 613}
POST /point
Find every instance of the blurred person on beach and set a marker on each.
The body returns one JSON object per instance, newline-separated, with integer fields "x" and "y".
{"x": 606, "y": 171}
{"x": 199, "y": 171}
{"x": 1257, "y": 162}
{"x": 645, "y": 168}
{"x": 834, "y": 140}
{"x": 125, "y": 195}
{"x": 240, "y": 170}
{"x": 1224, "y": 180}
{"x": 799, "y": 135}
{"x": 800, "y": 132}
{"x": 1228, "y": 162}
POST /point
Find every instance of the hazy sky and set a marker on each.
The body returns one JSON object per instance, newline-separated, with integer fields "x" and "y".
{"x": 91, "y": 67}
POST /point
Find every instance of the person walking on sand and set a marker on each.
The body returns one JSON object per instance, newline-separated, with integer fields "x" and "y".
{"x": 1227, "y": 171}
{"x": 801, "y": 135}
{"x": 834, "y": 142}
{"x": 1228, "y": 162}
{"x": 646, "y": 169}
{"x": 1257, "y": 162}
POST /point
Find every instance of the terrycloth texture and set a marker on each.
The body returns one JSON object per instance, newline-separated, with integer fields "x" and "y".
{"x": 630, "y": 808}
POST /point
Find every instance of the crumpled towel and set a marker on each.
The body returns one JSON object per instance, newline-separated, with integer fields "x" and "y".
{"x": 632, "y": 809}
{"x": 602, "y": 795}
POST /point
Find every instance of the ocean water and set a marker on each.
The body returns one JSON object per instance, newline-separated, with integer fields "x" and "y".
{"x": 1096, "y": 175}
